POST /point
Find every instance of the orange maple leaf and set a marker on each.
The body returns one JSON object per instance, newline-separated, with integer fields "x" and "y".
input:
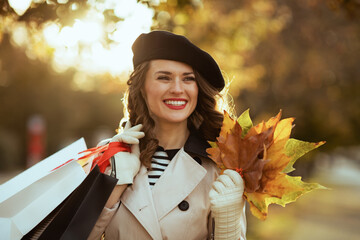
{"x": 261, "y": 155}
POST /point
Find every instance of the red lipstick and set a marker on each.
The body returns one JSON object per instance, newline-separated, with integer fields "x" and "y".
{"x": 175, "y": 107}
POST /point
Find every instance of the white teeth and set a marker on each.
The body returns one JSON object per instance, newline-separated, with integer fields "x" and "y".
{"x": 175, "y": 103}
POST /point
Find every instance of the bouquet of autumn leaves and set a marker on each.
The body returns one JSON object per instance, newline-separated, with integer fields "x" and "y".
{"x": 263, "y": 155}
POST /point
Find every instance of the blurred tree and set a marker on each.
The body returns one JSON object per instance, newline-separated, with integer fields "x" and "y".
{"x": 30, "y": 87}
{"x": 299, "y": 56}
{"x": 350, "y": 7}
{"x": 312, "y": 73}
{"x": 41, "y": 11}
{"x": 73, "y": 101}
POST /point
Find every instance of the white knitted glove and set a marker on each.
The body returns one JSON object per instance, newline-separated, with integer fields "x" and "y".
{"x": 227, "y": 203}
{"x": 125, "y": 165}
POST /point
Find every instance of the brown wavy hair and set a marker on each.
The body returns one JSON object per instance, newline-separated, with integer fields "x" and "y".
{"x": 207, "y": 117}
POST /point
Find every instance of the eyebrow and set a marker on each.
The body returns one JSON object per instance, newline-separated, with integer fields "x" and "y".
{"x": 169, "y": 73}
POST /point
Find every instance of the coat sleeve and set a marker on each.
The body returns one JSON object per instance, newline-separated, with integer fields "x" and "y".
{"x": 211, "y": 227}
{"x": 103, "y": 221}
{"x": 243, "y": 224}
{"x": 211, "y": 222}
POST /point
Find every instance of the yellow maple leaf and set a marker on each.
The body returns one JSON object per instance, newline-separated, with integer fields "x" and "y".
{"x": 262, "y": 154}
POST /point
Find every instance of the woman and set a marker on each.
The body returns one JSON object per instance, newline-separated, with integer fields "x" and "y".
{"x": 168, "y": 188}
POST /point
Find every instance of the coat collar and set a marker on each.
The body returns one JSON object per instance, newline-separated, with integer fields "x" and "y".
{"x": 196, "y": 145}
{"x": 138, "y": 199}
{"x": 181, "y": 177}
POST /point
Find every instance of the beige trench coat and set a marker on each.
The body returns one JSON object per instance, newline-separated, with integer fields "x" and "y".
{"x": 155, "y": 213}
{"x": 146, "y": 213}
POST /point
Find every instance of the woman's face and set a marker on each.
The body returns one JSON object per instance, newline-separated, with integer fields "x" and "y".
{"x": 170, "y": 91}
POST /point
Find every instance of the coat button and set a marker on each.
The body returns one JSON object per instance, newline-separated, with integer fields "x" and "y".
{"x": 184, "y": 205}
{"x": 198, "y": 160}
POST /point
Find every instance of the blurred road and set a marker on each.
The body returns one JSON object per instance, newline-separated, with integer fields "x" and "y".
{"x": 321, "y": 214}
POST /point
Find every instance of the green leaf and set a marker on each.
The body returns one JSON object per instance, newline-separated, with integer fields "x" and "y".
{"x": 291, "y": 196}
{"x": 295, "y": 149}
{"x": 245, "y": 122}
{"x": 212, "y": 144}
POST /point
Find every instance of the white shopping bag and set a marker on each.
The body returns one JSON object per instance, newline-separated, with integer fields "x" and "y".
{"x": 29, "y": 197}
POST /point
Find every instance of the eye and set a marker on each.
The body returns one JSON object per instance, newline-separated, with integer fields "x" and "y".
{"x": 163, "y": 77}
{"x": 190, "y": 78}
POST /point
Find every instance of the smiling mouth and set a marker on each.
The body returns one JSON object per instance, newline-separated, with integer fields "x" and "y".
{"x": 175, "y": 103}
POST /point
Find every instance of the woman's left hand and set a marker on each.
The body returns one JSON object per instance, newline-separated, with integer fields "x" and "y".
{"x": 227, "y": 203}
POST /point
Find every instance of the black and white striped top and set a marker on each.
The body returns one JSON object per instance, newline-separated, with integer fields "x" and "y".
{"x": 159, "y": 162}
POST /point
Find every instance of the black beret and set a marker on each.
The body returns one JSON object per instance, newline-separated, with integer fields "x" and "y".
{"x": 167, "y": 45}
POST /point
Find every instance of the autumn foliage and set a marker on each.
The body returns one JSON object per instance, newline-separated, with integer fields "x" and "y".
{"x": 263, "y": 155}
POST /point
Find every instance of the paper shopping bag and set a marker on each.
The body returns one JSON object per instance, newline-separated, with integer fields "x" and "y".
{"x": 77, "y": 215}
{"x": 28, "y": 198}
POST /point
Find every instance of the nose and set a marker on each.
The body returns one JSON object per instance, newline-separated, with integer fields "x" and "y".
{"x": 177, "y": 87}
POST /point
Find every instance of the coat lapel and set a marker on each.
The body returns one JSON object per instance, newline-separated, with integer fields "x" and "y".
{"x": 138, "y": 199}
{"x": 180, "y": 178}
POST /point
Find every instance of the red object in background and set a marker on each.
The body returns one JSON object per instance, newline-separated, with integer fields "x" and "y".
{"x": 36, "y": 140}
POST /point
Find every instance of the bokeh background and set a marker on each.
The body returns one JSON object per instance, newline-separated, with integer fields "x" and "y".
{"x": 64, "y": 66}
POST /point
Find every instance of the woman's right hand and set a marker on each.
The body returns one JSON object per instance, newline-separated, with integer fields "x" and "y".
{"x": 125, "y": 165}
